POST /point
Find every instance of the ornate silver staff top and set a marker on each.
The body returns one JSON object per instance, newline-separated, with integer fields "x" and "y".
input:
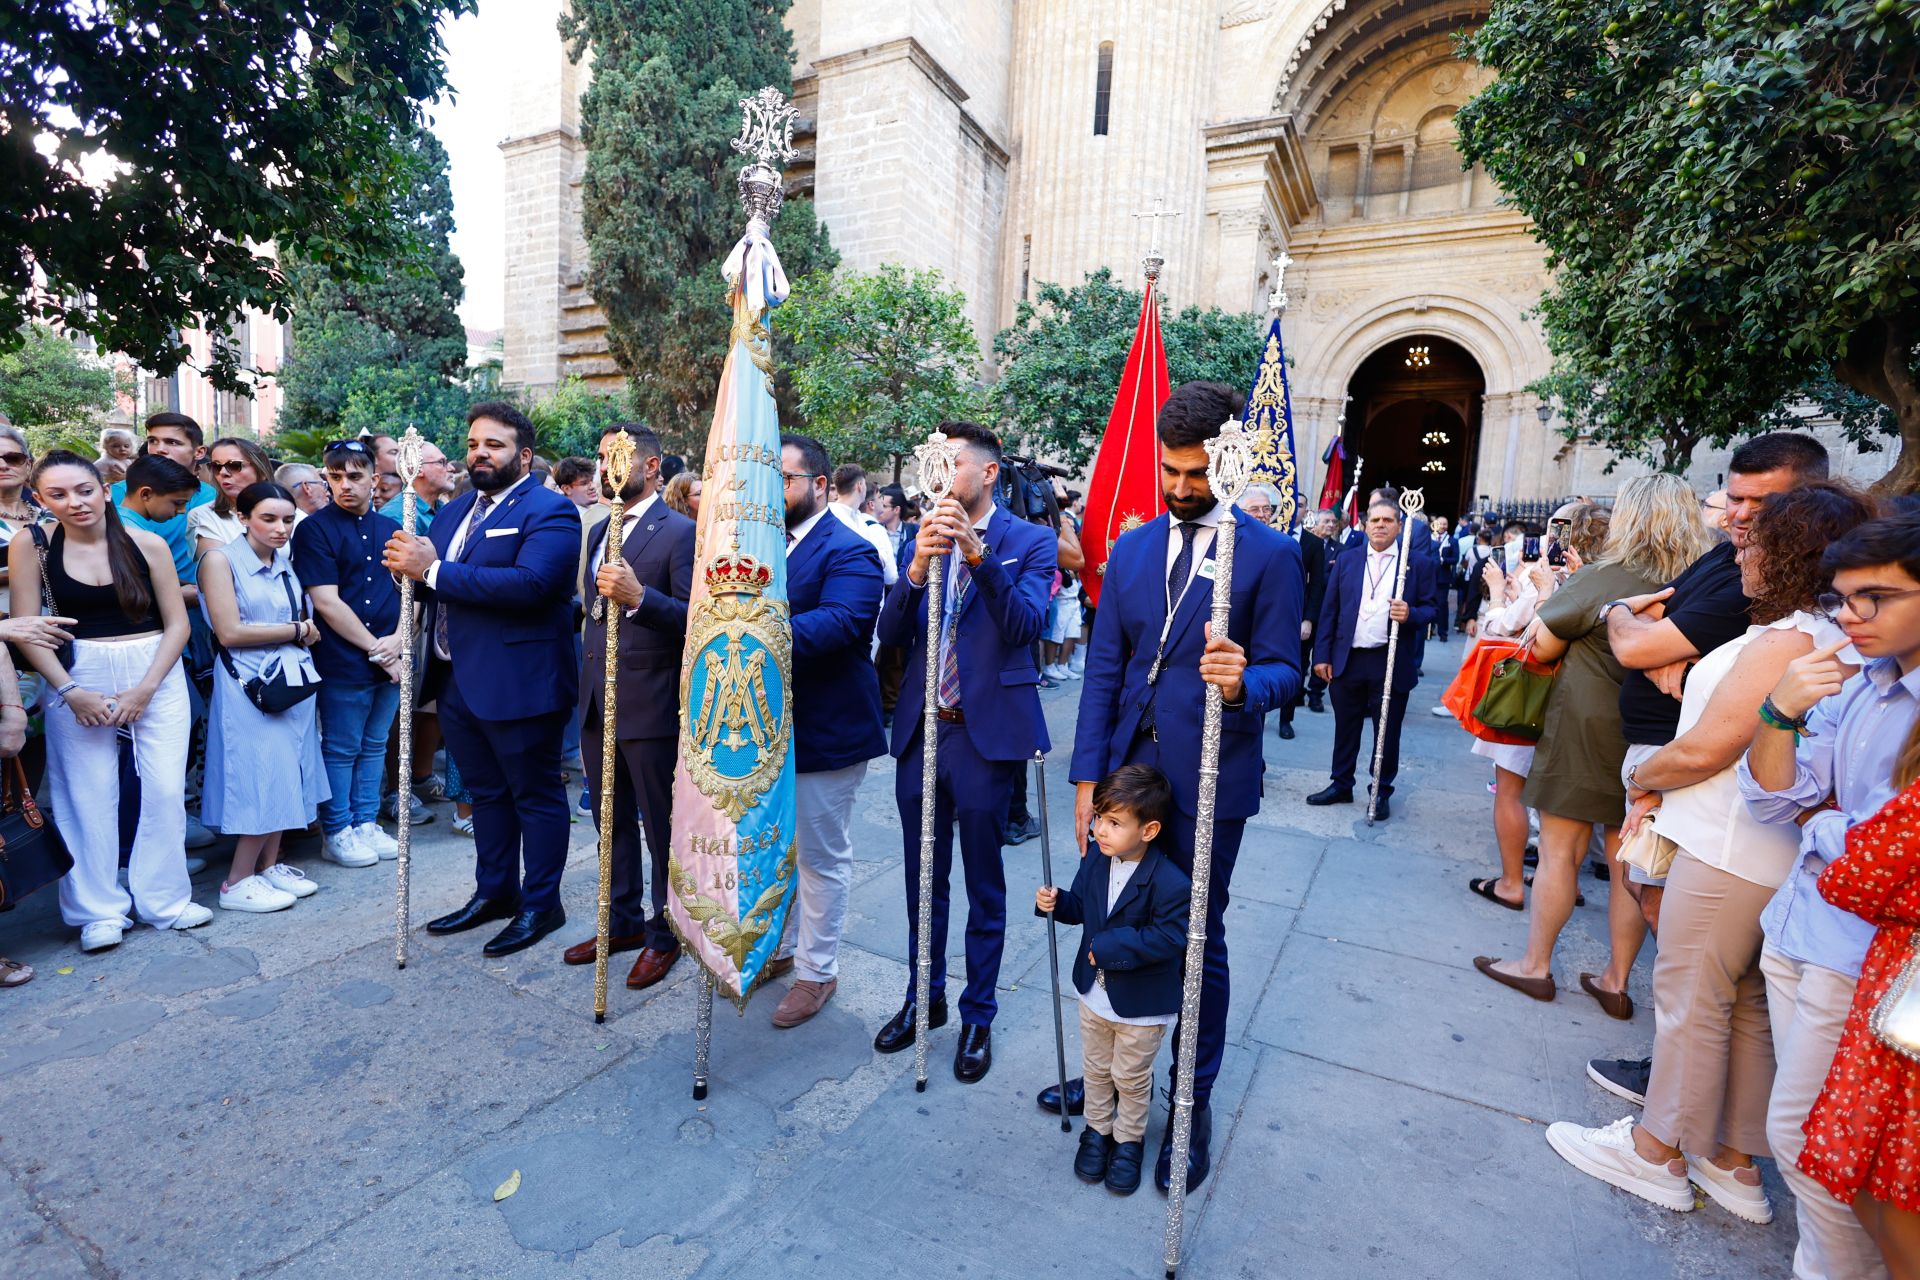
{"x": 1277, "y": 299}
{"x": 937, "y": 458}
{"x": 1413, "y": 501}
{"x": 412, "y": 445}
{"x": 766, "y": 134}
{"x": 1230, "y": 463}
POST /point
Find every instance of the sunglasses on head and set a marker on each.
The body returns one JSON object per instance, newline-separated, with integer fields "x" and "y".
{"x": 351, "y": 446}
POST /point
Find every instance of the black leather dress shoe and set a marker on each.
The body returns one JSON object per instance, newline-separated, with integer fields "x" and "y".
{"x": 1090, "y": 1162}
{"x": 1332, "y": 795}
{"x": 1286, "y": 731}
{"x": 1383, "y": 808}
{"x": 1199, "y": 1160}
{"x": 1049, "y": 1098}
{"x": 477, "y": 912}
{"x": 1317, "y": 703}
{"x": 898, "y": 1033}
{"x": 1123, "y": 1168}
{"x": 525, "y": 929}
{"x": 973, "y": 1056}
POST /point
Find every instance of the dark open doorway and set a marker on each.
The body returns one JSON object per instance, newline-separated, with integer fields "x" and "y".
{"x": 1413, "y": 417}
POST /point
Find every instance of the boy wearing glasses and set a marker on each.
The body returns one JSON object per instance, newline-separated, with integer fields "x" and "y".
{"x": 1824, "y": 757}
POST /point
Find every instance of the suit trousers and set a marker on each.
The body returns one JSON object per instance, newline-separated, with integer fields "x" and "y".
{"x": 1712, "y": 1047}
{"x": 512, "y": 767}
{"x": 1807, "y": 1006}
{"x": 973, "y": 793}
{"x": 1312, "y": 684}
{"x": 1356, "y": 702}
{"x": 1215, "y": 988}
{"x": 642, "y": 797}
{"x": 1116, "y": 1060}
{"x": 823, "y": 818}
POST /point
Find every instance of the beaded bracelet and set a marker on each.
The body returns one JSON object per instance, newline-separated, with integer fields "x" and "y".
{"x": 1772, "y": 715}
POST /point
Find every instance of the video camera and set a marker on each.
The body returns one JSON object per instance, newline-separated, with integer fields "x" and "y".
{"x": 1026, "y": 489}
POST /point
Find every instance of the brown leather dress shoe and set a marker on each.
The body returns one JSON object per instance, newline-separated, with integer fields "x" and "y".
{"x": 651, "y": 967}
{"x": 583, "y": 952}
{"x": 805, "y": 999}
{"x": 776, "y": 967}
{"x": 1615, "y": 1004}
{"x": 1538, "y": 988}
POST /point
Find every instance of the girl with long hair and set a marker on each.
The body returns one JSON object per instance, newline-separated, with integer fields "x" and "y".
{"x": 265, "y": 773}
{"x": 235, "y": 464}
{"x": 123, "y": 676}
{"x": 1574, "y": 781}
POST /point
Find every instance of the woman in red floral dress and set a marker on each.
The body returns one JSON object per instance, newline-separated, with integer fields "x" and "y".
{"x": 1863, "y": 1136}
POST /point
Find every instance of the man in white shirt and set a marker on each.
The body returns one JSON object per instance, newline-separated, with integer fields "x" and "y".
{"x": 849, "y": 501}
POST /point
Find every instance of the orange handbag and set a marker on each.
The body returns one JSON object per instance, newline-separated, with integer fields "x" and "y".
{"x": 1470, "y": 685}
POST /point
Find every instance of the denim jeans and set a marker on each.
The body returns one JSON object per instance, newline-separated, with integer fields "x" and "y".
{"x": 354, "y": 722}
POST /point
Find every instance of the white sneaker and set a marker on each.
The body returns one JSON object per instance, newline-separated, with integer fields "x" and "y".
{"x": 463, "y": 826}
{"x": 382, "y": 844}
{"x": 290, "y": 880}
{"x": 1067, "y": 672}
{"x": 100, "y": 935}
{"x": 1608, "y": 1154}
{"x": 193, "y": 917}
{"x": 344, "y": 847}
{"x": 1724, "y": 1187}
{"x": 255, "y": 894}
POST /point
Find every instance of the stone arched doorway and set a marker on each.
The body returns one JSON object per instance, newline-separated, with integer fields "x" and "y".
{"x": 1413, "y": 418}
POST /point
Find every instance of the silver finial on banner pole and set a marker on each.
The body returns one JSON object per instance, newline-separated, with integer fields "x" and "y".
{"x": 1411, "y": 503}
{"x": 937, "y": 458}
{"x": 1230, "y": 463}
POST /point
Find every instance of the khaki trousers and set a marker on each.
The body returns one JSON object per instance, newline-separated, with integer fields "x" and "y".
{"x": 1712, "y": 1046}
{"x": 1117, "y": 1059}
{"x": 1808, "y": 1006}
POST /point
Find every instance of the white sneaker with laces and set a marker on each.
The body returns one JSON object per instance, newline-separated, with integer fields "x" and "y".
{"x": 344, "y": 847}
{"x": 290, "y": 880}
{"x": 193, "y": 916}
{"x": 1068, "y": 673}
{"x": 100, "y": 935}
{"x": 372, "y": 837}
{"x": 255, "y": 894}
{"x": 1724, "y": 1188}
{"x": 1607, "y": 1154}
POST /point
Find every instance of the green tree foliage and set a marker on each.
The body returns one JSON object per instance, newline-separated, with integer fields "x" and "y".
{"x": 47, "y": 388}
{"x": 878, "y": 360}
{"x": 568, "y": 422}
{"x": 233, "y": 124}
{"x": 1062, "y": 357}
{"x": 660, "y": 205}
{"x": 1725, "y": 191}
{"x": 384, "y": 352}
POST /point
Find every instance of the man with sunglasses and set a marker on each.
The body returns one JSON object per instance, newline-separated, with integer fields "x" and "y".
{"x": 432, "y": 489}
{"x": 1824, "y": 756}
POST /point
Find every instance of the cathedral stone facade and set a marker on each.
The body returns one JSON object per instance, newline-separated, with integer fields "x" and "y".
{"x": 1009, "y": 142}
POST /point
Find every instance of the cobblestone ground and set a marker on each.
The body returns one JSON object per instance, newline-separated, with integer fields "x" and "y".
{"x": 268, "y": 1096}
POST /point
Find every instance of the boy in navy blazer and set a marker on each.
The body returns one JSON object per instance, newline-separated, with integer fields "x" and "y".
{"x": 1134, "y": 904}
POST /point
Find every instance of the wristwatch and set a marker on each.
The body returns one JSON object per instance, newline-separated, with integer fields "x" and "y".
{"x": 1608, "y": 607}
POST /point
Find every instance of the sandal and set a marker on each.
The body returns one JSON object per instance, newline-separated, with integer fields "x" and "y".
{"x": 1485, "y": 889}
{"x": 1615, "y": 1004}
{"x": 14, "y": 974}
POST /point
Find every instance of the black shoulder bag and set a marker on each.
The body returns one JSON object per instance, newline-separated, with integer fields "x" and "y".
{"x": 274, "y": 694}
{"x": 64, "y": 654}
{"x": 32, "y": 855}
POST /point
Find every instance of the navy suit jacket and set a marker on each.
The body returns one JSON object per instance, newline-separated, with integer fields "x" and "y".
{"x": 834, "y": 586}
{"x": 659, "y": 550}
{"x": 1264, "y": 618}
{"x": 1340, "y": 613}
{"x": 1002, "y": 615}
{"x": 509, "y": 603}
{"x": 1139, "y": 939}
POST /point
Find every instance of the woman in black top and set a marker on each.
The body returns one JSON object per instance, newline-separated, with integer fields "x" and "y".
{"x": 122, "y": 674}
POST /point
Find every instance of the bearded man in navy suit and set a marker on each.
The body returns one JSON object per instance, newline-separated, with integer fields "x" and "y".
{"x": 499, "y": 564}
{"x": 1153, "y": 655}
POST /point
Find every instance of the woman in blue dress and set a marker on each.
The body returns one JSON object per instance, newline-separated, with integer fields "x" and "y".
{"x": 265, "y": 774}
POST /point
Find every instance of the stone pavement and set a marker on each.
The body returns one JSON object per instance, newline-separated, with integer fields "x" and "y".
{"x": 269, "y": 1097}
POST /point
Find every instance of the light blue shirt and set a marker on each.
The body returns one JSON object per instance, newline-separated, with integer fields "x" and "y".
{"x": 1854, "y": 739}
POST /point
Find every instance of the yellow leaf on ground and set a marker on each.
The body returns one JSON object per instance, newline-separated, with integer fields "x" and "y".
{"x": 65, "y": 968}
{"x": 507, "y": 1188}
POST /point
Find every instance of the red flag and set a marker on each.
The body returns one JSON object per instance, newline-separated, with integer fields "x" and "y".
{"x": 1125, "y": 492}
{"x": 1333, "y": 488}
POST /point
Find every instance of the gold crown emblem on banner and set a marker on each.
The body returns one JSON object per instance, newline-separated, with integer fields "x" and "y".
{"x": 737, "y": 574}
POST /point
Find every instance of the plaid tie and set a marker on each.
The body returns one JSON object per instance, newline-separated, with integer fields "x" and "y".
{"x": 466, "y": 536}
{"x": 949, "y": 651}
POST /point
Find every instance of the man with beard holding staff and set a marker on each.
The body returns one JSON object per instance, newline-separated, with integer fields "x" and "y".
{"x": 651, "y": 582}
{"x": 998, "y": 576}
{"x": 499, "y": 565}
{"x": 1148, "y": 666}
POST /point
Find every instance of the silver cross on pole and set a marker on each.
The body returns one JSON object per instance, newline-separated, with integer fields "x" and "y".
{"x": 1277, "y": 299}
{"x": 1155, "y": 259}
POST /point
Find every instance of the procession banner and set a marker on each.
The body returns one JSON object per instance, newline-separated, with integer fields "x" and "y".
{"x": 1125, "y": 492}
{"x": 1269, "y": 419}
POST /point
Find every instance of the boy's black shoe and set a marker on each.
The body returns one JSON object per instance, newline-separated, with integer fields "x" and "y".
{"x": 1090, "y": 1163}
{"x": 1123, "y": 1168}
